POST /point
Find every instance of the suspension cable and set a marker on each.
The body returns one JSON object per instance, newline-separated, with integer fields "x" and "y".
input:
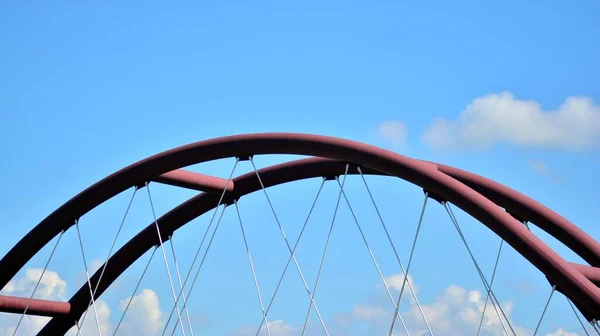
{"x": 212, "y": 237}
{"x": 262, "y": 306}
{"x": 135, "y": 189}
{"x": 577, "y": 315}
{"x": 293, "y": 252}
{"x": 164, "y": 253}
{"x": 395, "y": 252}
{"x": 289, "y": 247}
{"x": 39, "y": 281}
{"x": 87, "y": 274}
{"x": 364, "y": 238}
{"x": 485, "y": 283}
{"x": 314, "y": 292}
{"x": 135, "y": 290}
{"x": 487, "y": 297}
{"x": 410, "y": 258}
{"x": 237, "y": 160}
{"x": 185, "y": 308}
{"x": 544, "y": 311}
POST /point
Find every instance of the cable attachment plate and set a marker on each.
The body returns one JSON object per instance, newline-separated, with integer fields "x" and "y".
{"x": 433, "y": 196}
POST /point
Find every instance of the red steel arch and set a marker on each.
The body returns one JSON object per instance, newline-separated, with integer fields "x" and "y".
{"x": 529, "y": 209}
{"x": 183, "y": 214}
{"x": 458, "y": 189}
{"x": 186, "y": 212}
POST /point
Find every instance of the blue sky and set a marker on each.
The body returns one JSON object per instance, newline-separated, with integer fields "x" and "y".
{"x": 87, "y": 88}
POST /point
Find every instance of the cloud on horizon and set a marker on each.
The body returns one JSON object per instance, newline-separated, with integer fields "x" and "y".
{"x": 143, "y": 315}
{"x": 455, "y": 311}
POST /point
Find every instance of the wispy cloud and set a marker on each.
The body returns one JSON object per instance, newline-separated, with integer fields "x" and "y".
{"x": 393, "y": 131}
{"x": 524, "y": 287}
{"x": 540, "y": 167}
{"x": 502, "y": 119}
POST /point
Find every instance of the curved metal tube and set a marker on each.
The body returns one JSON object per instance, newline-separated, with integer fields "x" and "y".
{"x": 183, "y": 214}
{"x": 529, "y": 209}
{"x": 135, "y": 248}
{"x": 164, "y": 163}
{"x": 17, "y": 305}
{"x": 196, "y": 181}
{"x": 420, "y": 173}
{"x": 592, "y": 273}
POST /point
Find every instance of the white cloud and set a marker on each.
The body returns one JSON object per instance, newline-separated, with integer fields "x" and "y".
{"x": 51, "y": 286}
{"x": 276, "y": 328}
{"x": 92, "y": 267}
{"x": 456, "y": 311}
{"x": 502, "y": 119}
{"x": 280, "y": 328}
{"x": 562, "y": 332}
{"x": 538, "y": 167}
{"x": 522, "y": 286}
{"x": 369, "y": 313}
{"x": 95, "y": 265}
{"x": 29, "y": 326}
{"x": 541, "y": 168}
{"x": 143, "y": 316}
{"x": 395, "y": 282}
{"x": 199, "y": 318}
{"x": 90, "y": 327}
{"x": 392, "y": 131}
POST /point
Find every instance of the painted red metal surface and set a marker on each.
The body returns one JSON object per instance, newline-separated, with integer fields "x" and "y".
{"x": 14, "y": 304}
{"x": 156, "y": 165}
{"x": 190, "y": 180}
{"x": 183, "y": 214}
{"x": 527, "y": 208}
{"x": 174, "y": 219}
{"x": 592, "y": 273}
{"x": 420, "y": 173}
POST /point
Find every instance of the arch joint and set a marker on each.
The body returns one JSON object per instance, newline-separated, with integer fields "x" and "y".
{"x": 434, "y": 196}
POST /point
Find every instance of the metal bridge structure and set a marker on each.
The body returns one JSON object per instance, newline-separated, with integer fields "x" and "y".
{"x": 507, "y": 213}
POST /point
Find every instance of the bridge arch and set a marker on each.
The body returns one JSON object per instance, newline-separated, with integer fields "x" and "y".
{"x": 480, "y": 198}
